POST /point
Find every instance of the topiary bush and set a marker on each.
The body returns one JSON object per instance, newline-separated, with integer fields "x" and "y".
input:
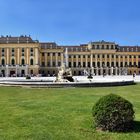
{"x": 113, "y": 113}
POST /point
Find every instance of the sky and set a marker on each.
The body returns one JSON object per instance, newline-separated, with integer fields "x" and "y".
{"x": 72, "y": 22}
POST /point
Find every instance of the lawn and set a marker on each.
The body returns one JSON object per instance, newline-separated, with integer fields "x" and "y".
{"x": 58, "y": 114}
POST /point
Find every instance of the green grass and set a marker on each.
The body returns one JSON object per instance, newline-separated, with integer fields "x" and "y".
{"x": 58, "y": 114}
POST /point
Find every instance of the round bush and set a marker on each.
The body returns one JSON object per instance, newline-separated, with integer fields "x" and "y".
{"x": 113, "y": 113}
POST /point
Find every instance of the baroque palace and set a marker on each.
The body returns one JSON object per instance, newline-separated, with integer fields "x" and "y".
{"x": 20, "y": 56}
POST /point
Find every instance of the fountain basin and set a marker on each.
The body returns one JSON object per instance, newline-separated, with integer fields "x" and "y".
{"x": 49, "y": 83}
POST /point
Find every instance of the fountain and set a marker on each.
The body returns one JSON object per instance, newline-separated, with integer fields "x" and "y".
{"x": 64, "y": 73}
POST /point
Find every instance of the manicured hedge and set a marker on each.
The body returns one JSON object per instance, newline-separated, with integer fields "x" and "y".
{"x": 113, "y": 113}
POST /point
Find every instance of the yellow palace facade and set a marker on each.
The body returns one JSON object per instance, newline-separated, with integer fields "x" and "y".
{"x": 20, "y": 56}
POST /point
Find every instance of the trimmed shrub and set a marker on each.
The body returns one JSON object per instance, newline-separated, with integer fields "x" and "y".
{"x": 113, "y": 113}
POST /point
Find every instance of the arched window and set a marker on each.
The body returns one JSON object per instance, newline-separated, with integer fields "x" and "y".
{"x": 23, "y": 62}
{"x": 3, "y": 62}
{"x": 13, "y": 62}
{"x": 31, "y": 61}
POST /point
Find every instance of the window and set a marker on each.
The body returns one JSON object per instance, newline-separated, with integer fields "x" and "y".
{"x": 112, "y": 64}
{"x": 84, "y": 64}
{"x": 13, "y": 50}
{"x": 74, "y": 64}
{"x": 22, "y": 62}
{"x": 107, "y": 64}
{"x": 93, "y": 56}
{"x": 74, "y": 56}
{"x": 22, "y": 49}
{"x": 98, "y": 64}
{"x": 93, "y": 47}
{"x": 42, "y": 54}
{"x": 53, "y": 54}
{"x": 88, "y": 56}
{"x": 134, "y": 64}
{"x": 79, "y": 64}
{"x": 112, "y": 47}
{"x": 43, "y": 64}
{"x": 79, "y": 56}
{"x": 121, "y": 64}
{"x": 59, "y": 63}
{"x": 117, "y": 64}
{"x": 93, "y": 64}
{"x": 59, "y": 54}
{"x": 2, "y": 50}
{"x": 13, "y": 62}
{"x": 31, "y": 61}
{"x": 69, "y": 64}
{"x": 69, "y": 56}
{"x": 125, "y": 64}
{"x": 88, "y": 64}
{"x": 31, "y": 50}
{"x": 102, "y": 46}
{"x": 53, "y": 64}
{"x": 107, "y": 46}
{"x": 48, "y": 64}
{"x": 3, "y": 62}
{"x": 98, "y": 46}
{"x": 107, "y": 56}
{"x": 83, "y": 56}
{"x": 48, "y": 54}
{"x": 98, "y": 56}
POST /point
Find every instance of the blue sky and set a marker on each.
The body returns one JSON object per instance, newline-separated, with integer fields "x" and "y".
{"x": 72, "y": 22}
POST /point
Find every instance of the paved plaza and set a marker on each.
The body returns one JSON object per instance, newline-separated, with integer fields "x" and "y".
{"x": 83, "y": 78}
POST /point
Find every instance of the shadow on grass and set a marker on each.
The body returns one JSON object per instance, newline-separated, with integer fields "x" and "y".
{"x": 136, "y": 128}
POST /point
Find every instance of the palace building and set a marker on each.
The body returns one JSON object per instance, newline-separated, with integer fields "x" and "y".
{"x": 20, "y": 56}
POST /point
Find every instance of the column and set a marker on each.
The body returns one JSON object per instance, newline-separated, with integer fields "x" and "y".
{"x": 106, "y": 70}
{"x": 56, "y": 59}
{"x": 123, "y": 61}
{"x": 27, "y": 61}
{"x": 81, "y": 60}
{"x": 86, "y": 60}
{"x": 62, "y": 59}
{"x": 100, "y": 60}
{"x": 76, "y": 60}
{"x": 137, "y": 60}
{"x": 114, "y": 60}
{"x": 50, "y": 59}
{"x": 119, "y": 61}
{"x": 105, "y": 60}
{"x": 45, "y": 59}
{"x": 36, "y": 56}
{"x": 101, "y": 70}
{"x": 97, "y": 71}
{"x": 91, "y": 57}
{"x": 8, "y": 56}
{"x": 95, "y": 60}
{"x": 128, "y": 60}
{"x": 116, "y": 70}
{"x": 132, "y": 60}
{"x": 110, "y": 60}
